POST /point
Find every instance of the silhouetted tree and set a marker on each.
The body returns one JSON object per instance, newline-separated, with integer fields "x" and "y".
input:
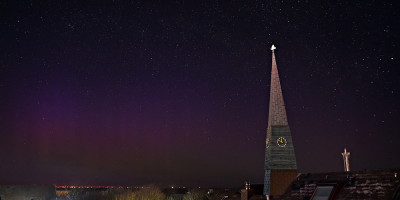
{"x": 195, "y": 195}
{"x": 149, "y": 192}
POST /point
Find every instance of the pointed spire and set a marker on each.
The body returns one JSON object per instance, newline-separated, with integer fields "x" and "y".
{"x": 346, "y": 163}
{"x": 277, "y": 111}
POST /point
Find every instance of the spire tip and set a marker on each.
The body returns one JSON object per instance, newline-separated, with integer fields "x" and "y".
{"x": 273, "y": 47}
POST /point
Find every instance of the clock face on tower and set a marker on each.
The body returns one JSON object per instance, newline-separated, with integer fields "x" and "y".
{"x": 281, "y": 142}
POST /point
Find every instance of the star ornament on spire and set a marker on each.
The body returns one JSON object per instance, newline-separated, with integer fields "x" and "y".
{"x": 273, "y": 47}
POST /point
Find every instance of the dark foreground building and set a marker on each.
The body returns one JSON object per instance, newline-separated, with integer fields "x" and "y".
{"x": 381, "y": 184}
{"x": 357, "y": 185}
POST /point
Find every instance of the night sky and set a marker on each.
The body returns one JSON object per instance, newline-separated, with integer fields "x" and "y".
{"x": 177, "y": 93}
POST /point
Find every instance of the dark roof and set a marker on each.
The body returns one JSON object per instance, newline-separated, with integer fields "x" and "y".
{"x": 367, "y": 184}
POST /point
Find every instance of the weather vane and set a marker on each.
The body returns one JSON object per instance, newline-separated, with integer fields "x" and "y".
{"x": 273, "y": 47}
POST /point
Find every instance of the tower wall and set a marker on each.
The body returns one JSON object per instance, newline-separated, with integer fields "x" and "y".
{"x": 281, "y": 179}
{"x": 280, "y": 161}
{"x": 277, "y": 157}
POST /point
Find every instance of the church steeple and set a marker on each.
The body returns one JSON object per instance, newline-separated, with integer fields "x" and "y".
{"x": 277, "y": 112}
{"x": 280, "y": 161}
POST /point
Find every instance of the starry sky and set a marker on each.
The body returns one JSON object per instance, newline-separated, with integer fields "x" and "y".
{"x": 177, "y": 92}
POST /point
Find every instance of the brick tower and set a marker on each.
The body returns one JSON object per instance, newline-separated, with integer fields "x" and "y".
{"x": 280, "y": 161}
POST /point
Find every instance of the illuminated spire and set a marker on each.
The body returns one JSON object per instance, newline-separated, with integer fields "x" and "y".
{"x": 280, "y": 159}
{"x": 277, "y": 112}
{"x": 346, "y": 163}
